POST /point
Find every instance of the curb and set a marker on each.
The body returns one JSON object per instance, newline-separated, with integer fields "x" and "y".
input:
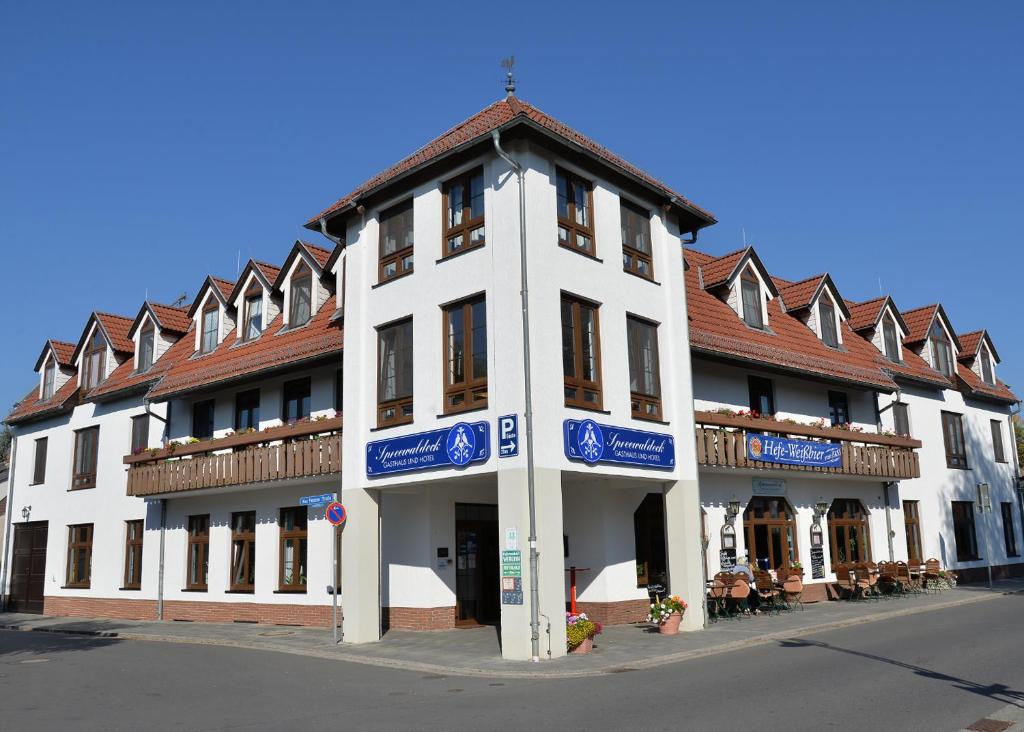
{"x": 538, "y": 673}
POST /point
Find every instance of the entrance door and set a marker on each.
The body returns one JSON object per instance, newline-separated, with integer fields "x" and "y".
{"x": 477, "y": 590}
{"x": 771, "y": 532}
{"x": 29, "y": 565}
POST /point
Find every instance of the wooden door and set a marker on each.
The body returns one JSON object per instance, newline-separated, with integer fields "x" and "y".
{"x": 28, "y": 577}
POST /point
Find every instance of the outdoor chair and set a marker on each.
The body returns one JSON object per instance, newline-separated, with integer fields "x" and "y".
{"x": 903, "y": 577}
{"x": 792, "y": 592}
{"x": 767, "y": 592}
{"x": 739, "y": 594}
{"x": 930, "y": 578}
{"x": 847, "y": 581}
{"x": 887, "y": 585}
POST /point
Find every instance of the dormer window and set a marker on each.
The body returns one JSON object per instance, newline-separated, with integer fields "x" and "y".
{"x": 942, "y": 353}
{"x": 827, "y": 313}
{"x": 750, "y": 291}
{"x": 301, "y": 295}
{"x": 892, "y": 346}
{"x": 146, "y": 343}
{"x": 49, "y": 379}
{"x": 211, "y": 317}
{"x": 94, "y": 360}
{"x": 986, "y": 368}
{"x": 252, "y": 325}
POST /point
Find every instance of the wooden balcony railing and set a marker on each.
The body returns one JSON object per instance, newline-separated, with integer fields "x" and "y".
{"x": 300, "y": 450}
{"x": 721, "y": 441}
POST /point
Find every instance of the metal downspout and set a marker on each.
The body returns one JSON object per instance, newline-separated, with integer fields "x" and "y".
{"x": 885, "y": 488}
{"x": 534, "y": 583}
{"x": 160, "y": 580}
{"x": 7, "y": 525}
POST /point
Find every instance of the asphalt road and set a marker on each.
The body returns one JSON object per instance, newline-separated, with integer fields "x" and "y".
{"x": 939, "y": 670}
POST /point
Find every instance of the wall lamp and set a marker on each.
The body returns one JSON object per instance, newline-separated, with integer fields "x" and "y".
{"x": 731, "y": 512}
{"x": 26, "y": 512}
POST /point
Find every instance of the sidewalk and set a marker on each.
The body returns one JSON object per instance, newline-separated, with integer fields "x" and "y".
{"x": 476, "y": 652}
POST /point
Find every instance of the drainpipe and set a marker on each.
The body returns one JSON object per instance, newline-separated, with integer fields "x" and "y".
{"x": 888, "y": 519}
{"x": 8, "y": 526}
{"x": 160, "y": 580}
{"x": 534, "y": 583}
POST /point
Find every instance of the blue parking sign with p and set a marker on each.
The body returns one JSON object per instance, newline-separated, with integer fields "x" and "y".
{"x": 508, "y": 435}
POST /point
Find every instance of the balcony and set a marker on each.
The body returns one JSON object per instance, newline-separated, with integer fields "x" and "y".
{"x": 722, "y": 442}
{"x": 300, "y": 450}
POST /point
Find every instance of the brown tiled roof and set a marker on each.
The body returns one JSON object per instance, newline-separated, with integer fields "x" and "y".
{"x": 969, "y": 343}
{"x": 499, "y": 115}
{"x": 320, "y": 254}
{"x": 225, "y": 286}
{"x": 865, "y": 314}
{"x": 63, "y": 351}
{"x": 918, "y": 321}
{"x": 172, "y": 319}
{"x": 31, "y": 407}
{"x": 269, "y": 271}
{"x": 222, "y": 287}
{"x": 798, "y": 294}
{"x": 233, "y": 359}
{"x": 717, "y": 270}
{"x": 975, "y": 386}
{"x": 116, "y": 327}
{"x": 125, "y": 380}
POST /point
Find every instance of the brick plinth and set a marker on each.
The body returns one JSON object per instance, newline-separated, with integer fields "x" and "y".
{"x": 195, "y": 610}
{"x": 418, "y": 618}
{"x": 616, "y": 613}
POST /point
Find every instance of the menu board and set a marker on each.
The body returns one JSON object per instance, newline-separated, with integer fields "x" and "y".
{"x": 817, "y": 562}
{"x": 727, "y": 559}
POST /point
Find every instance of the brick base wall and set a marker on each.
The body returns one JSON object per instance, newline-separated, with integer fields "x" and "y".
{"x": 418, "y": 618}
{"x": 616, "y": 613}
{"x": 976, "y": 575}
{"x": 195, "y": 610}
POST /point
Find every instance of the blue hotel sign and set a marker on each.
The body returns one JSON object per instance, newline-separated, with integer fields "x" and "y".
{"x": 454, "y": 446}
{"x": 591, "y": 442}
{"x": 793, "y": 452}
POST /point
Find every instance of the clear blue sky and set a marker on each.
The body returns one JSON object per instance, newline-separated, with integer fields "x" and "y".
{"x": 142, "y": 147}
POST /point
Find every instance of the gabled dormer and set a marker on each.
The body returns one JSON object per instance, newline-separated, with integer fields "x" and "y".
{"x": 155, "y": 329}
{"x": 212, "y": 314}
{"x": 979, "y": 355}
{"x": 742, "y": 281}
{"x": 55, "y": 367}
{"x": 303, "y": 284}
{"x": 103, "y": 347}
{"x": 817, "y": 302}
{"x": 254, "y": 299}
{"x": 880, "y": 321}
{"x": 932, "y": 337}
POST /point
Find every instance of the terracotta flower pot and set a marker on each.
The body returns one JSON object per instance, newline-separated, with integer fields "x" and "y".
{"x": 671, "y": 626}
{"x": 585, "y": 647}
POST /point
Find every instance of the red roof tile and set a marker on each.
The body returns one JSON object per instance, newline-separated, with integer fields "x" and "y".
{"x": 798, "y": 294}
{"x": 865, "y": 314}
{"x": 320, "y": 254}
{"x": 269, "y": 271}
{"x": 717, "y": 270}
{"x": 970, "y": 342}
{"x": 975, "y": 386}
{"x": 63, "y": 351}
{"x": 918, "y": 321}
{"x": 498, "y": 115}
{"x": 116, "y": 327}
{"x": 233, "y": 359}
{"x": 31, "y": 407}
{"x": 172, "y": 319}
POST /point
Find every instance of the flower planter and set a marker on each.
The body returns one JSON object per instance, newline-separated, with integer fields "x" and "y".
{"x": 585, "y": 647}
{"x": 671, "y": 626}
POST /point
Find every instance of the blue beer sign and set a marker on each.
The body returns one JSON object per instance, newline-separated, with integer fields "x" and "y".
{"x": 592, "y": 443}
{"x": 782, "y": 450}
{"x": 455, "y": 446}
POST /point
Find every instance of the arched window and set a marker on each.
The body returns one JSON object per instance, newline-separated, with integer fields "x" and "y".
{"x": 770, "y": 529}
{"x": 848, "y": 535}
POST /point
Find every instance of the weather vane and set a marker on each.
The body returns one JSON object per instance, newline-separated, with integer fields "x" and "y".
{"x": 510, "y": 83}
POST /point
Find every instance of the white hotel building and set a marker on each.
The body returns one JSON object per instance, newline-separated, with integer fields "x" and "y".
{"x": 160, "y": 461}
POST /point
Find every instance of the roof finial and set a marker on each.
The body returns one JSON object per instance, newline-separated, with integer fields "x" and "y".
{"x": 510, "y": 83}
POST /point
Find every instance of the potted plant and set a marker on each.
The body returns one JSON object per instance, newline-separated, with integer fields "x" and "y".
{"x": 667, "y": 613}
{"x": 796, "y": 568}
{"x": 579, "y": 632}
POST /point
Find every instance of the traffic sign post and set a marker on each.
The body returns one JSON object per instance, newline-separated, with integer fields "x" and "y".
{"x": 336, "y": 515}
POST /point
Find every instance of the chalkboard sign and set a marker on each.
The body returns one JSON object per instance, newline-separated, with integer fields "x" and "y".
{"x": 817, "y": 562}
{"x": 727, "y": 559}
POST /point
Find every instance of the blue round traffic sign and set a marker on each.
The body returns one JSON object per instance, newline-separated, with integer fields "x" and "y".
{"x": 336, "y": 514}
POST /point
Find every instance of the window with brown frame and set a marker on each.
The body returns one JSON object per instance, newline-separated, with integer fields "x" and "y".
{"x": 997, "y": 441}
{"x": 252, "y": 323}
{"x": 133, "y": 554}
{"x": 889, "y": 340}
{"x": 295, "y": 405}
{"x": 87, "y": 443}
{"x": 829, "y": 333}
{"x": 49, "y": 379}
{"x": 247, "y": 410}
{"x": 770, "y": 527}
{"x": 198, "y": 552}
{"x": 39, "y": 469}
{"x": 575, "y": 217}
{"x": 901, "y": 418}
{"x": 644, "y": 369}
{"x": 203, "y": 419}
{"x": 849, "y": 536}
{"x": 636, "y": 239}
{"x": 94, "y": 360}
{"x": 581, "y": 353}
{"x": 394, "y": 377}
{"x": 986, "y": 368}
{"x": 838, "y": 408}
{"x": 243, "y": 551}
{"x": 761, "y": 393}
{"x": 1009, "y": 532}
{"x": 140, "y": 433}
{"x": 964, "y": 532}
{"x": 465, "y": 333}
{"x": 300, "y": 301}
{"x": 79, "y": 573}
{"x": 942, "y": 352}
{"x": 396, "y": 241}
{"x": 912, "y": 527}
{"x": 464, "y": 212}
{"x": 147, "y": 341}
{"x": 750, "y": 293}
{"x": 292, "y": 570}
{"x": 953, "y": 436}
{"x": 210, "y": 320}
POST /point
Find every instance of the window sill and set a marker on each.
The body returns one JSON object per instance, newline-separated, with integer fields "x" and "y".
{"x": 459, "y": 412}
{"x": 582, "y": 253}
{"x": 82, "y": 488}
{"x": 43, "y": 481}
{"x": 130, "y": 589}
{"x": 194, "y": 589}
{"x": 389, "y": 280}
{"x": 289, "y": 592}
{"x": 1013, "y": 556}
{"x": 240, "y": 592}
{"x": 956, "y": 467}
{"x": 459, "y": 253}
{"x": 648, "y": 420}
{"x": 595, "y": 410}
{"x": 76, "y": 587}
{"x": 390, "y": 426}
{"x": 641, "y": 277}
